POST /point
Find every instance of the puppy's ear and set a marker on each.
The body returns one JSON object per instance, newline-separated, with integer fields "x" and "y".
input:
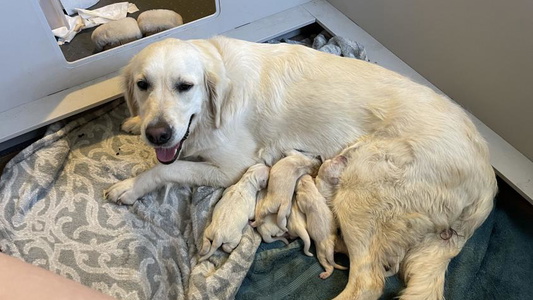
{"x": 128, "y": 85}
{"x": 340, "y": 160}
{"x": 217, "y": 85}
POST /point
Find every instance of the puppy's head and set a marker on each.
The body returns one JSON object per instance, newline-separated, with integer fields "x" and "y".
{"x": 258, "y": 175}
{"x": 173, "y": 85}
{"x": 328, "y": 177}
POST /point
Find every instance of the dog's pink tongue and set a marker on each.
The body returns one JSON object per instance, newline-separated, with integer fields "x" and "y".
{"x": 167, "y": 155}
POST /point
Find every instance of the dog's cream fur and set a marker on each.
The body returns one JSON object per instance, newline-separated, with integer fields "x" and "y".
{"x": 283, "y": 177}
{"x": 233, "y": 211}
{"x": 414, "y": 229}
{"x": 422, "y": 151}
{"x": 320, "y": 223}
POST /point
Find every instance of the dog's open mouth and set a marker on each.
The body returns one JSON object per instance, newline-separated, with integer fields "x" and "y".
{"x": 169, "y": 155}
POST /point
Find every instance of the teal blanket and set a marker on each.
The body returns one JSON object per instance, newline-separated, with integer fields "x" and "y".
{"x": 496, "y": 263}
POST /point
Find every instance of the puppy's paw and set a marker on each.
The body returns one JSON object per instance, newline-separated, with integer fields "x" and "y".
{"x": 284, "y": 240}
{"x": 132, "y": 125}
{"x": 325, "y": 274}
{"x": 228, "y": 248}
{"x": 122, "y": 192}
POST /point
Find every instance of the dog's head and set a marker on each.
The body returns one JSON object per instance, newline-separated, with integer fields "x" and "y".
{"x": 173, "y": 85}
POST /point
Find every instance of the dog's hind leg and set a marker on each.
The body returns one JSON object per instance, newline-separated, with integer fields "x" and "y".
{"x": 424, "y": 268}
{"x": 366, "y": 278}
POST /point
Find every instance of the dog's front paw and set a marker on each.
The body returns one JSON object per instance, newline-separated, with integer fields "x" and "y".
{"x": 122, "y": 192}
{"x": 132, "y": 125}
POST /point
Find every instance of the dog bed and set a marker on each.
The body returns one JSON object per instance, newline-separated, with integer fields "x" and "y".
{"x": 53, "y": 215}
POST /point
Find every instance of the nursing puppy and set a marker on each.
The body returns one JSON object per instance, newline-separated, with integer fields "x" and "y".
{"x": 320, "y": 223}
{"x": 283, "y": 177}
{"x": 297, "y": 227}
{"x": 233, "y": 211}
{"x": 222, "y": 100}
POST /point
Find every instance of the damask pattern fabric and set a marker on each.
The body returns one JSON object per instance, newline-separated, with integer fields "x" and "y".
{"x": 53, "y": 215}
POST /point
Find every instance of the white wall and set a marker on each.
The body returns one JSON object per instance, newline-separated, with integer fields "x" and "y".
{"x": 33, "y": 66}
{"x": 478, "y": 52}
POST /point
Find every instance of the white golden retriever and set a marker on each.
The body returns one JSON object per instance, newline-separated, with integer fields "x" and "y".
{"x": 221, "y": 100}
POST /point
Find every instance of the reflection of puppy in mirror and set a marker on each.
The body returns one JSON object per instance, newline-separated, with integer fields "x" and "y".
{"x": 233, "y": 211}
{"x": 157, "y": 20}
{"x": 115, "y": 33}
{"x": 320, "y": 223}
{"x": 297, "y": 227}
{"x": 283, "y": 177}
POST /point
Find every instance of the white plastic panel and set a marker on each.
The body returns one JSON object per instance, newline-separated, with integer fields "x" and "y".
{"x": 33, "y": 66}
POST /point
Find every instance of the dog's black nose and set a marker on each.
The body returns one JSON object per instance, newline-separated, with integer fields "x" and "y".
{"x": 159, "y": 133}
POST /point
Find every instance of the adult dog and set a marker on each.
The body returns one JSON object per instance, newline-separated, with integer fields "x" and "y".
{"x": 230, "y": 104}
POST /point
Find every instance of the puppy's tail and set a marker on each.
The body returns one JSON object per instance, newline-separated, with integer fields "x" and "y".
{"x": 304, "y": 235}
{"x": 283, "y": 239}
{"x": 283, "y": 213}
{"x": 209, "y": 247}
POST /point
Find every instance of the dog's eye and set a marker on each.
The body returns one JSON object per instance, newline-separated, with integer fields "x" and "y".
{"x": 183, "y": 86}
{"x": 143, "y": 85}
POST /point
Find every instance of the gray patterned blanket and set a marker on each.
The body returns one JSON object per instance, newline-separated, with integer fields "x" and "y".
{"x": 53, "y": 215}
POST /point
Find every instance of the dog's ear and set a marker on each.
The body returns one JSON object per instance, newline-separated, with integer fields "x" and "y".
{"x": 217, "y": 85}
{"x": 128, "y": 85}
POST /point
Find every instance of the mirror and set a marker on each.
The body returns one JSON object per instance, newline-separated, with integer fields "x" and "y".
{"x": 153, "y": 16}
